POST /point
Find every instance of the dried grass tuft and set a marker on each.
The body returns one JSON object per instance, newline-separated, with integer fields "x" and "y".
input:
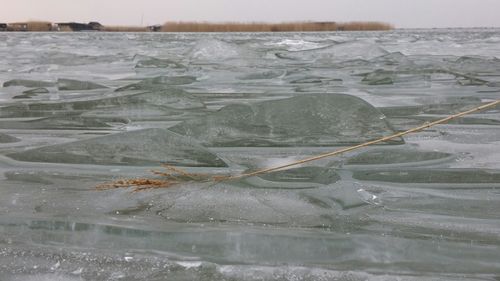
{"x": 169, "y": 177}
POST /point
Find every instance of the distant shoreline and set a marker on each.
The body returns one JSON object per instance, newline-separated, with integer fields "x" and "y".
{"x": 42, "y": 26}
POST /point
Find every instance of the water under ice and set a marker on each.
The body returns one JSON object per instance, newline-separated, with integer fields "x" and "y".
{"x": 81, "y": 109}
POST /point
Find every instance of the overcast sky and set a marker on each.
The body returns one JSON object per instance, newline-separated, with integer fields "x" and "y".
{"x": 401, "y": 13}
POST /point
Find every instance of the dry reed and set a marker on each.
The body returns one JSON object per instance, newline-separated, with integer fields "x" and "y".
{"x": 221, "y": 27}
{"x": 32, "y": 26}
{"x": 272, "y": 27}
{"x": 111, "y": 28}
{"x": 39, "y": 26}
{"x": 171, "y": 176}
{"x": 174, "y": 176}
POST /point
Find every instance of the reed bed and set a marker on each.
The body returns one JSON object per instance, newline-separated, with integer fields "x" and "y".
{"x": 116, "y": 28}
{"x": 35, "y": 26}
{"x": 39, "y": 26}
{"x": 273, "y": 27}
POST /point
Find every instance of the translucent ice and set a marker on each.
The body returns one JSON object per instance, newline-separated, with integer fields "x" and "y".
{"x": 425, "y": 210}
{"x": 297, "y": 178}
{"x": 159, "y": 83}
{"x": 338, "y": 53}
{"x": 383, "y": 77}
{"x": 165, "y": 99}
{"x": 452, "y": 176}
{"x": 216, "y": 51}
{"x": 4, "y": 138}
{"x": 76, "y": 85}
{"x": 28, "y": 83}
{"x": 306, "y": 120}
{"x": 270, "y": 74}
{"x": 146, "y": 62}
{"x": 36, "y": 91}
{"x": 393, "y": 156}
{"x": 143, "y": 147}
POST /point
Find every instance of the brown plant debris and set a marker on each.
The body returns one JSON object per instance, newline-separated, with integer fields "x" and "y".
{"x": 170, "y": 177}
{"x": 138, "y": 184}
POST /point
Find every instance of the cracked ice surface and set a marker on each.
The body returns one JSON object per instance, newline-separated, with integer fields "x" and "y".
{"x": 80, "y": 109}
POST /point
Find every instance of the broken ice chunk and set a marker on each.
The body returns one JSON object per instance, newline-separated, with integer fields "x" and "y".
{"x": 306, "y": 120}
{"x": 4, "y": 138}
{"x": 158, "y": 63}
{"x": 393, "y": 156}
{"x": 297, "y": 178}
{"x": 142, "y": 147}
{"x": 76, "y": 85}
{"x": 449, "y": 176}
{"x": 36, "y": 91}
{"x": 28, "y": 83}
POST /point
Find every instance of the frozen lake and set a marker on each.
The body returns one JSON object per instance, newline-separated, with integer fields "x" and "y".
{"x": 81, "y": 109}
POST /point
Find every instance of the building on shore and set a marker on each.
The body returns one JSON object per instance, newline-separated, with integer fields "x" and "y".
{"x": 27, "y": 26}
{"x": 76, "y": 26}
{"x": 154, "y": 28}
{"x": 18, "y": 26}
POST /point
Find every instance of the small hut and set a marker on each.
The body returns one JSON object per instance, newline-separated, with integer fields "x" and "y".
{"x": 76, "y": 26}
{"x": 18, "y": 26}
{"x": 95, "y": 25}
{"x": 154, "y": 28}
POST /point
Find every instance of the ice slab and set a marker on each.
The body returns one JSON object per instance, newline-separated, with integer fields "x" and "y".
{"x": 451, "y": 176}
{"x": 158, "y": 83}
{"x": 151, "y": 62}
{"x": 354, "y": 50}
{"x": 168, "y": 99}
{"x": 438, "y": 105}
{"x": 29, "y": 83}
{"x": 4, "y": 138}
{"x": 306, "y": 120}
{"x": 297, "y": 178}
{"x": 77, "y": 85}
{"x": 36, "y": 91}
{"x": 383, "y": 77}
{"x": 395, "y": 156}
{"x": 142, "y": 147}
{"x": 24, "y": 96}
{"x": 270, "y": 74}
{"x": 65, "y": 122}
